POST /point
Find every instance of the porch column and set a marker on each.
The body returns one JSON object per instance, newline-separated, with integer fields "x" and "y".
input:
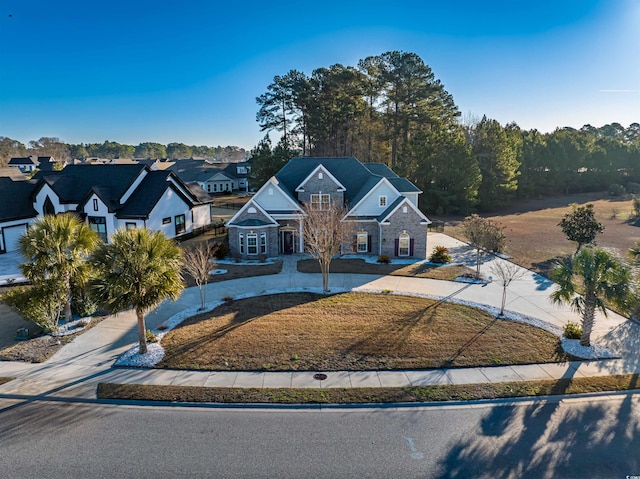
{"x": 301, "y": 241}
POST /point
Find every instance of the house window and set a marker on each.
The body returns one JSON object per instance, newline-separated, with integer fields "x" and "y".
{"x": 241, "y": 243}
{"x": 252, "y": 210}
{"x": 403, "y": 245}
{"x": 252, "y": 243}
{"x": 208, "y": 187}
{"x": 180, "y": 227}
{"x": 320, "y": 175}
{"x": 99, "y": 225}
{"x": 263, "y": 243}
{"x": 382, "y": 200}
{"x": 95, "y": 204}
{"x": 215, "y": 187}
{"x": 320, "y": 201}
{"x": 363, "y": 243}
{"x": 166, "y": 221}
{"x": 404, "y": 209}
{"x": 130, "y": 226}
{"x": 48, "y": 208}
{"x": 270, "y": 191}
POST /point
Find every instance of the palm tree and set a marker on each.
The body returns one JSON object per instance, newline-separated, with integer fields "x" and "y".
{"x": 601, "y": 277}
{"x": 139, "y": 269}
{"x": 57, "y": 247}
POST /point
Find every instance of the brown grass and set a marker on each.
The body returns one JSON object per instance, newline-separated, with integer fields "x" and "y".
{"x": 5, "y": 380}
{"x": 535, "y": 240}
{"x": 352, "y": 331}
{"x": 454, "y": 392}
{"x": 360, "y": 266}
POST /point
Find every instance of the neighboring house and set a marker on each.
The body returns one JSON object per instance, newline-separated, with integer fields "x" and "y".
{"x": 382, "y": 206}
{"x": 16, "y": 214}
{"x": 213, "y": 177}
{"x": 13, "y": 173}
{"x": 25, "y": 165}
{"x": 107, "y": 197}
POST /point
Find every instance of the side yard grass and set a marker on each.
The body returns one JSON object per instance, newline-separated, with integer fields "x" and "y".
{"x": 454, "y": 392}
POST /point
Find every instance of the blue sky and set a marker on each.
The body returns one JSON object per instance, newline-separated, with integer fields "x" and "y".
{"x": 189, "y": 71}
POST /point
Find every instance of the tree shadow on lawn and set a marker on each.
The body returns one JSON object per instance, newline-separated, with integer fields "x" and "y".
{"x": 550, "y": 440}
{"x": 259, "y": 306}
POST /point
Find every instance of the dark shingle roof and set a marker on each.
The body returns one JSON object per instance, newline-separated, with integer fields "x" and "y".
{"x": 348, "y": 171}
{"x": 403, "y": 185}
{"x": 20, "y": 204}
{"x": 22, "y": 161}
{"x": 252, "y": 222}
{"x": 144, "y": 199}
{"x": 196, "y": 190}
{"x": 194, "y": 170}
{"x": 73, "y": 183}
{"x": 380, "y": 169}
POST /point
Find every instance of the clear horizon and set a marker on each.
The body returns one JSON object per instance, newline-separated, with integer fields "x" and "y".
{"x": 189, "y": 73}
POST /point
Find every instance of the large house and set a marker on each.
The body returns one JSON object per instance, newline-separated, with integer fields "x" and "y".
{"x": 382, "y": 206}
{"x": 107, "y": 197}
{"x": 214, "y": 177}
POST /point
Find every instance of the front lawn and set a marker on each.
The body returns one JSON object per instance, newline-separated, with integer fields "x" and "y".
{"x": 352, "y": 331}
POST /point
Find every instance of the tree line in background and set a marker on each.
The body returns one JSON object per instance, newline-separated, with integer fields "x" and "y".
{"x": 47, "y": 146}
{"x": 391, "y": 108}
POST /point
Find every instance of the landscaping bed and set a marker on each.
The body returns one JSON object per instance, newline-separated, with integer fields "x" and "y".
{"x": 5, "y": 380}
{"x": 360, "y": 266}
{"x": 352, "y": 331}
{"x": 453, "y": 392}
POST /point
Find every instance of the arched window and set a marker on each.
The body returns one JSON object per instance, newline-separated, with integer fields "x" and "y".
{"x": 403, "y": 244}
{"x": 48, "y": 208}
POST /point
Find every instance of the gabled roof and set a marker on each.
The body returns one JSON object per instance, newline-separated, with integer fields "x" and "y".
{"x": 320, "y": 168}
{"x": 13, "y": 173}
{"x": 358, "y": 178}
{"x": 148, "y": 193}
{"x": 74, "y": 182}
{"x": 198, "y": 170}
{"x": 393, "y": 207}
{"x": 20, "y": 205}
{"x": 23, "y": 161}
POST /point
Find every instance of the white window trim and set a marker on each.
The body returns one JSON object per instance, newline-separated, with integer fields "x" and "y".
{"x": 252, "y": 236}
{"x": 241, "y": 243}
{"x": 382, "y": 201}
{"x": 263, "y": 243}
{"x": 362, "y": 242}
{"x": 404, "y": 236}
{"x": 320, "y": 202}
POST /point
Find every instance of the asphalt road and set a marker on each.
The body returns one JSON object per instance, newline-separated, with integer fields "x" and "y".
{"x": 594, "y": 439}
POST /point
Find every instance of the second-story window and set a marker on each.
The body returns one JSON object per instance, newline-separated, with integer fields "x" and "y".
{"x": 320, "y": 201}
{"x": 95, "y": 204}
{"x": 382, "y": 201}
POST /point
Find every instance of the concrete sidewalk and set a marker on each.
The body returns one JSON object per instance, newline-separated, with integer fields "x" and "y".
{"x": 77, "y": 368}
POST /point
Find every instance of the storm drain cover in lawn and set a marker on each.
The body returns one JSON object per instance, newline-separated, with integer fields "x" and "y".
{"x": 320, "y": 376}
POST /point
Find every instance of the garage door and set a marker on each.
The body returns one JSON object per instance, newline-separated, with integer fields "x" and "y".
{"x": 11, "y": 235}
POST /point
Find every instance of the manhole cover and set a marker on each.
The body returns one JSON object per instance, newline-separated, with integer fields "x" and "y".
{"x": 320, "y": 376}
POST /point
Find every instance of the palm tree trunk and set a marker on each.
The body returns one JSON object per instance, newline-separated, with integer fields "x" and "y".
{"x": 588, "y": 319}
{"x": 142, "y": 331}
{"x": 68, "y": 315}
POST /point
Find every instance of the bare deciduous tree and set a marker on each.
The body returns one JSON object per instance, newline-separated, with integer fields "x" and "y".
{"x": 506, "y": 272}
{"x": 197, "y": 262}
{"x": 484, "y": 235}
{"x": 324, "y": 235}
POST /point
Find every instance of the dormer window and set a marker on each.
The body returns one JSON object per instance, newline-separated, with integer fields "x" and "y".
{"x": 382, "y": 201}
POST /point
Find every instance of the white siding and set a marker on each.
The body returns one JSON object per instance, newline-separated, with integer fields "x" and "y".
{"x": 42, "y": 195}
{"x": 201, "y": 215}
{"x": 413, "y": 197}
{"x": 112, "y": 222}
{"x": 370, "y": 205}
{"x": 169, "y": 206}
{"x": 11, "y": 231}
{"x": 275, "y": 201}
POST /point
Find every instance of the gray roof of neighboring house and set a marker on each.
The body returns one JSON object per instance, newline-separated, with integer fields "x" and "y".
{"x": 198, "y": 170}
{"x": 20, "y": 205}
{"x": 74, "y": 182}
{"x": 11, "y": 172}
{"x": 196, "y": 190}
{"x": 23, "y": 161}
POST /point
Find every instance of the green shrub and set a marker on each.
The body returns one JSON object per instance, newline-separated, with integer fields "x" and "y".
{"x": 440, "y": 255}
{"x": 617, "y": 190}
{"x": 82, "y": 305}
{"x": 633, "y": 188}
{"x": 151, "y": 337}
{"x": 384, "y": 259}
{"x": 572, "y": 330}
{"x": 219, "y": 250}
{"x": 43, "y": 303}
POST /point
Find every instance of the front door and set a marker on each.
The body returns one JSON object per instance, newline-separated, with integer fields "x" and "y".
{"x": 288, "y": 241}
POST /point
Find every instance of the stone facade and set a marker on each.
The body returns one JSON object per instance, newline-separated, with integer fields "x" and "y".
{"x": 401, "y": 222}
{"x": 325, "y": 185}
